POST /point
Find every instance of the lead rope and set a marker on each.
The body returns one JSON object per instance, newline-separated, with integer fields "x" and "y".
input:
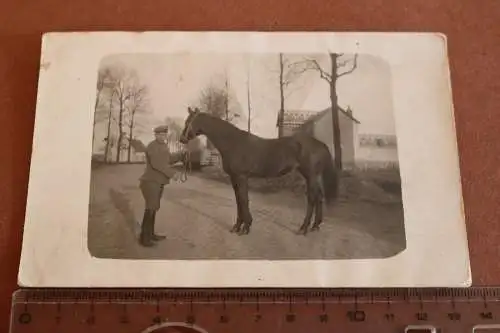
{"x": 187, "y": 166}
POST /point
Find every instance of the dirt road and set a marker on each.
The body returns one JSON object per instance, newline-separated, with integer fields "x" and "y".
{"x": 197, "y": 215}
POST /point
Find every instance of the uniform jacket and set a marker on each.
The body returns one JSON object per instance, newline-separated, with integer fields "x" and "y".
{"x": 158, "y": 163}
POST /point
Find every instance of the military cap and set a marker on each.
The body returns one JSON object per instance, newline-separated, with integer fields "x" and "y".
{"x": 161, "y": 129}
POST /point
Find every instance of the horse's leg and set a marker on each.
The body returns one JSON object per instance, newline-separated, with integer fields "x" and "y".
{"x": 310, "y": 206}
{"x": 246, "y": 216}
{"x": 318, "y": 214}
{"x": 239, "y": 221}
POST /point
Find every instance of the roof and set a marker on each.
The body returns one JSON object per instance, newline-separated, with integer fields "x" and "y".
{"x": 320, "y": 114}
{"x": 305, "y": 116}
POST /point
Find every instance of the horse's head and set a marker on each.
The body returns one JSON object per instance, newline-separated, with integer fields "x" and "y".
{"x": 191, "y": 128}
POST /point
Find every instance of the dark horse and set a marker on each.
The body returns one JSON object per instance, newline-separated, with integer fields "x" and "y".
{"x": 245, "y": 155}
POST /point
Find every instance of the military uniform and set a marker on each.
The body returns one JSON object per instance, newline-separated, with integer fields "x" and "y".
{"x": 156, "y": 175}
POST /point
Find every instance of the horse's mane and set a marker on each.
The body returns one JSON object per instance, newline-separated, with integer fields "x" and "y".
{"x": 221, "y": 125}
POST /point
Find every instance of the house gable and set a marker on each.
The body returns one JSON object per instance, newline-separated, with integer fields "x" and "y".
{"x": 299, "y": 118}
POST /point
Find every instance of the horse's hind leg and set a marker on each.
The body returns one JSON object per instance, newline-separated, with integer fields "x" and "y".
{"x": 237, "y": 226}
{"x": 245, "y": 214}
{"x": 318, "y": 214}
{"x": 311, "y": 198}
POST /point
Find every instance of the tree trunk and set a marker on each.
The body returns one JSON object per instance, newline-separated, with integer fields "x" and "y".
{"x": 226, "y": 99}
{"x": 120, "y": 131}
{"x": 248, "y": 103}
{"x": 281, "y": 115}
{"x": 95, "y": 116}
{"x": 335, "y": 113}
{"x": 108, "y": 137}
{"x": 131, "y": 129}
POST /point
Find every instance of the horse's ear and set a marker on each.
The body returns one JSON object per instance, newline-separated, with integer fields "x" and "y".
{"x": 196, "y": 110}
{"x": 190, "y": 110}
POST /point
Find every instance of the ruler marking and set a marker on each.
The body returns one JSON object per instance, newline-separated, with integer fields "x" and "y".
{"x": 124, "y": 317}
{"x": 58, "y": 316}
{"x": 59, "y": 295}
{"x": 90, "y": 320}
{"x": 244, "y": 302}
{"x": 86, "y": 307}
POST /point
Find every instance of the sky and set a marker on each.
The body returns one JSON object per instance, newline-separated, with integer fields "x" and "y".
{"x": 174, "y": 82}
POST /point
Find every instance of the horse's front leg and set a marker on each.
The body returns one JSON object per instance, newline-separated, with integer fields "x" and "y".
{"x": 239, "y": 221}
{"x": 245, "y": 214}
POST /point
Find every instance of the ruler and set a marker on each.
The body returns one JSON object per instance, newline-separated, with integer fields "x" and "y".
{"x": 254, "y": 310}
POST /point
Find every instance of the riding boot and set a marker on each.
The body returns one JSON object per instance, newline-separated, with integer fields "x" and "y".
{"x": 146, "y": 237}
{"x": 155, "y": 236}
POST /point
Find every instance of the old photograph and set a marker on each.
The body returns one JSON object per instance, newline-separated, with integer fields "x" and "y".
{"x": 244, "y": 159}
{"x": 192, "y": 151}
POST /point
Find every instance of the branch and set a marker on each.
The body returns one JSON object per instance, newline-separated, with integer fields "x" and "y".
{"x": 314, "y": 65}
{"x": 293, "y": 72}
{"x": 354, "y": 66}
{"x": 343, "y": 63}
{"x": 323, "y": 74}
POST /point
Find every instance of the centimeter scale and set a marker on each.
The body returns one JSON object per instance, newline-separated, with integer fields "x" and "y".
{"x": 252, "y": 310}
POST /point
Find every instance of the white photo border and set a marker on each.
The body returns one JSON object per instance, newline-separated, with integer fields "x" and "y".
{"x": 55, "y": 251}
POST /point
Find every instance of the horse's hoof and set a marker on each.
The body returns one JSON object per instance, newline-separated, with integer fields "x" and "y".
{"x": 234, "y": 229}
{"x": 316, "y": 228}
{"x": 301, "y": 231}
{"x": 243, "y": 232}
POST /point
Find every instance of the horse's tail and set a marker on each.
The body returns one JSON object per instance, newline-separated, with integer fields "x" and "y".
{"x": 330, "y": 177}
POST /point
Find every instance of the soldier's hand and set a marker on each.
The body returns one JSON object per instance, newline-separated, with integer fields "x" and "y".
{"x": 176, "y": 177}
{"x": 183, "y": 155}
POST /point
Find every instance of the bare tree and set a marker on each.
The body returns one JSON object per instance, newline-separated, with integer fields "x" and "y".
{"x": 110, "y": 143}
{"x": 226, "y": 96}
{"x": 174, "y": 127}
{"x": 108, "y": 133}
{"x": 330, "y": 74}
{"x": 104, "y": 82}
{"x": 137, "y": 103}
{"x": 215, "y": 101}
{"x": 125, "y": 80}
{"x": 249, "y": 106}
{"x": 282, "y": 98}
{"x": 288, "y": 73}
{"x": 109, "y": 79}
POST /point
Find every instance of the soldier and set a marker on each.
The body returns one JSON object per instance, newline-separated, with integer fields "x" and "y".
{"x": 156, "y": 175}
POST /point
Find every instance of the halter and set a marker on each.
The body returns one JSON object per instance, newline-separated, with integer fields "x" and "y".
{"x": 187, "y": 160}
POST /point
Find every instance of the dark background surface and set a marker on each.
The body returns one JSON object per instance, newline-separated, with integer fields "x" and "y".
{"x": 473, "y": 32}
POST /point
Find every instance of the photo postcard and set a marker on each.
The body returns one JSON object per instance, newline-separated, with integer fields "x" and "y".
{"x": 244, "y": 159}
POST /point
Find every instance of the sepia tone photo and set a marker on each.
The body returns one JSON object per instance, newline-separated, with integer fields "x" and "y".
{"x": 244, "y": 159}
{"x": 243, "y": 156}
